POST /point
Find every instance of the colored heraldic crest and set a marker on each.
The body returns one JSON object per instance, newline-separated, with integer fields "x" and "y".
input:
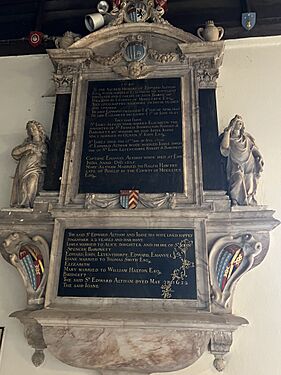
{"x": 129, "y": 198}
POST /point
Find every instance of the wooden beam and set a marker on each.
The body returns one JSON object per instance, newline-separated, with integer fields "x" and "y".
{"x": 22, "y": 47}
{"x": 70, "y": 4}
{"x": 67, "y": 14}
{"x": 40, "y": 15}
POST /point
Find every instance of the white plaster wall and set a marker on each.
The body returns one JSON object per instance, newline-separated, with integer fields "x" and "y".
{"x": 249, "y": 84}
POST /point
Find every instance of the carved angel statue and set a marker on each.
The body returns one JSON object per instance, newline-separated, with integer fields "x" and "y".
{"x": 244, "y": 163}
{"x": 31, "y": 157}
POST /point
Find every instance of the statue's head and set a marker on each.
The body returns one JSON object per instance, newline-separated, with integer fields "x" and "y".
{"x": 34, "y": 128}
{"x": 237, "y": 125}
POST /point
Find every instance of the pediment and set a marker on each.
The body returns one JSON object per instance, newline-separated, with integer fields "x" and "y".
{"x": 158, "y": 34}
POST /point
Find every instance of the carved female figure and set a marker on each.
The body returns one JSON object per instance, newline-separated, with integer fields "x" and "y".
{"x": 244, "y": 163}
{"x": 31, "y": 157}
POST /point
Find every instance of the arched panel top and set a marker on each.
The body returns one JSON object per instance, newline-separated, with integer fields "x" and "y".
{"x": 112, "y": 34}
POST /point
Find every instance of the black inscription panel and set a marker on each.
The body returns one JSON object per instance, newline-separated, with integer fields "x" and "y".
{"x": 132, "y": 263}
{"x": 133, "y": 137}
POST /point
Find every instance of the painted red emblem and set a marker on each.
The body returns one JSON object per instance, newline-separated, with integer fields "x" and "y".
{"x": 35, "y": 38}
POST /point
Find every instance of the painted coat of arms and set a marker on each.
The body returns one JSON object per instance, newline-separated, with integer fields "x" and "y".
{"x": 129, "y": 198}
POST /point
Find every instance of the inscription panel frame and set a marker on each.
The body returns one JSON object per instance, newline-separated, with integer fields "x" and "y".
{"x": 192, "y": 179}
{"x": 148, "y": 183}
{"x": 99, "y": 221}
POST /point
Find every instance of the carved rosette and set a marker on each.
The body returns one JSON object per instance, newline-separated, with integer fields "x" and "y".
{"x": 30, "y": 256}
{"x": 230, "y": 258}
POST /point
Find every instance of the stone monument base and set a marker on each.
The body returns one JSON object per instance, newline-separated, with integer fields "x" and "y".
{"x": 129, "y": 343}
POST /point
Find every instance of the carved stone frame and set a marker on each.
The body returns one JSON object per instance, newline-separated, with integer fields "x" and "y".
{"x": 192, "y": 178}
{"x": 132, "y": 221}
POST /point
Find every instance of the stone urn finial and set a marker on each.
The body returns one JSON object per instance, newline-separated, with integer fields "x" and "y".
{"x": 211, "y": 32}
{"x": 66, "y": 40}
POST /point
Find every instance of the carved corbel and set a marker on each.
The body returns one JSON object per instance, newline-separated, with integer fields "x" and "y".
{"x": 230, "y": 258}
{"x": 33, "y": 333}
{"x": 220, "y": 344}
{"x": 30, "y": 256}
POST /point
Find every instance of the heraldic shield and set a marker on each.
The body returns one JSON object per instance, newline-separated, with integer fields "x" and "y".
{"x": 129, "y": 198}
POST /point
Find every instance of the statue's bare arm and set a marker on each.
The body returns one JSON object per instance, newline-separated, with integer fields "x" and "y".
{"x": 21, "y": 149}
{"x": 225, "y": 142}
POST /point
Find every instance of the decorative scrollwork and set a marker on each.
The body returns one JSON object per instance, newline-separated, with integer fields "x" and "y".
{"x": 178, "y": 274}
{"x": 157, "y": 16}
{"x": 110, "y": 60}
{"x": 31, "y": 258}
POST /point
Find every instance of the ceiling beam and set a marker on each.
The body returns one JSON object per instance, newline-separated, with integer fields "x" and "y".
{"x": 40, "y": 15}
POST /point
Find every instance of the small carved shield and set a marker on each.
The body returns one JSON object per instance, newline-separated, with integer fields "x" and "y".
{"x": 135, "y": 51}
{"x": 129, "y": 198}
{"x": 248, "y": 20}
{"x": 137, "y": 11}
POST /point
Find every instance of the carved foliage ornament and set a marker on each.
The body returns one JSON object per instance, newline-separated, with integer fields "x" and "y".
{"x": 206, "y": 73}
{"x": 230, "y": 258}
{"x": 30, "y": 256}
{"x": 63, "y": 77}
